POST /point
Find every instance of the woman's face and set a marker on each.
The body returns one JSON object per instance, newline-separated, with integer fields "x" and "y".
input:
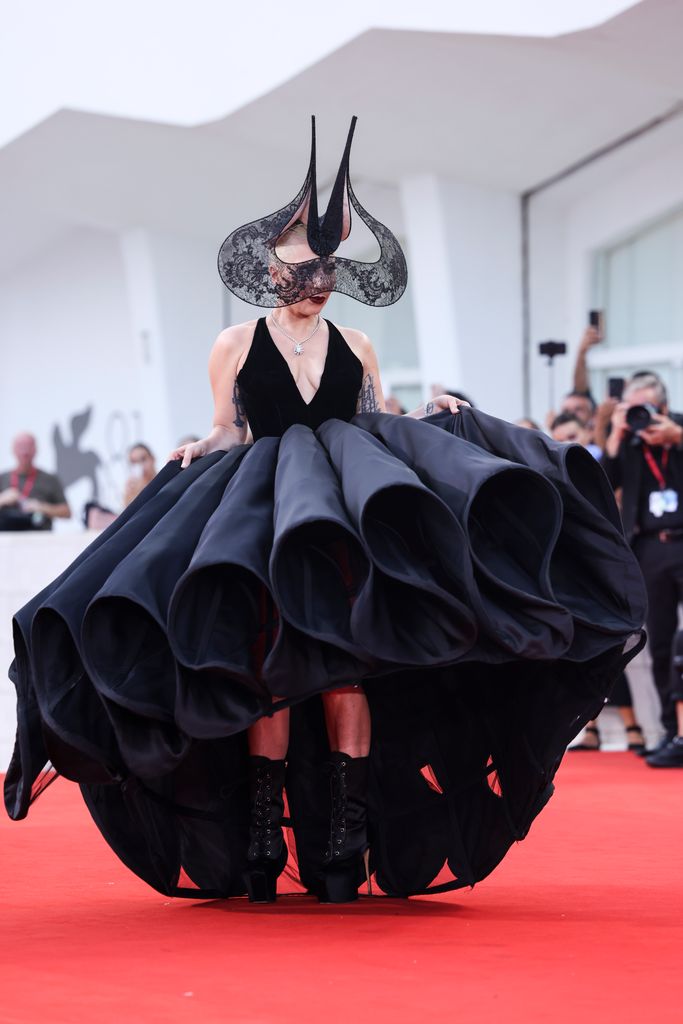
{"x": 318, "y": 278}
{"x": 570, "y": 433}
{"x": 310, "y": 306}
{"x": 141, "y": 464}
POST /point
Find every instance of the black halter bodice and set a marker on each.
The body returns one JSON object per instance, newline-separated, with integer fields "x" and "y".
{"x": 271, "y": 398}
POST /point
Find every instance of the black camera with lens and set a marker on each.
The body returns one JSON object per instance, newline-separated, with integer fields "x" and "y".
{"x": 640, "y": 417}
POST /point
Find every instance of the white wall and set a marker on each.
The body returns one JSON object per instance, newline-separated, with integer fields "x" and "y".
{"x": 484, "y": 230}
{"x": 66, "y": 345}
{"x": 177, "y": 311}
{"x": 549, "y": 318}
{"x": 121, "y": 325}
{"x": 464, "y": 244}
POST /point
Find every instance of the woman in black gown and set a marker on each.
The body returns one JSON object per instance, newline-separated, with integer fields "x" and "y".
{"x": 462, "y": 583}
{"x": 268, "y": 374}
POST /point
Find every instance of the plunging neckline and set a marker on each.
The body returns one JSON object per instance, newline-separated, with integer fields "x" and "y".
{"x": 308, "y": 404}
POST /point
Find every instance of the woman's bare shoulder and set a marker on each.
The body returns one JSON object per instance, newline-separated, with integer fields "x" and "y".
{"x": 357, "y": 340}
{"x": 232, "y": 342}
{"x": 237, "y": 335}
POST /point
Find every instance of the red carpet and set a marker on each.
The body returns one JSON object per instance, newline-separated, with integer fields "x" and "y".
{"x": 583, "y": 922}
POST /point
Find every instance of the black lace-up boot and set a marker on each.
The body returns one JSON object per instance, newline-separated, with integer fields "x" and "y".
{"x": 345, "y": 864}
{"x": 267, "y": 853}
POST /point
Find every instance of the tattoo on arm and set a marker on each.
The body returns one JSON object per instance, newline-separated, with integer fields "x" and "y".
{"x": 240, "y": 414}
{"x": 429, "y": 408}
{"x": 367, "y": 398}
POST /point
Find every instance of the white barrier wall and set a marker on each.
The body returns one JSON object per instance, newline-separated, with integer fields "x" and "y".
{"x": 28, "y": 562}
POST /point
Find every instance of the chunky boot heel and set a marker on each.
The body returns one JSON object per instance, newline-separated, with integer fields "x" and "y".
{"x": 267, "y": 853}
{"x": 339, "y": 885}
{"x": 345, "y": 863}
{"x": 262, "y": 884}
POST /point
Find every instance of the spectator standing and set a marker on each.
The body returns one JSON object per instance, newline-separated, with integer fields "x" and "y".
{"x": 30, "y": 498}
{"x": 671, "y": 755}
{"x": 645, "y": 459}
{"x": 142, "y": 470}
{"x": 569, "y": 429}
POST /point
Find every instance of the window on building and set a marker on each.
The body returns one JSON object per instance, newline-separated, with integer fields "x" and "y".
{"x": 638, "y": 282}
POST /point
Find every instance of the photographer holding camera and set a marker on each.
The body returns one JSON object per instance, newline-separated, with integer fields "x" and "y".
{"x": 644, "y": 457}
{"x": 30, "y": 498}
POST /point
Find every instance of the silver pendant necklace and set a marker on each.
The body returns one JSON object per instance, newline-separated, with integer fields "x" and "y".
{"x": 298, "y": 344}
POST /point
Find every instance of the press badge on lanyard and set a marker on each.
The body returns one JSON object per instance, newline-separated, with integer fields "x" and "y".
{"x": 665, "y": 499}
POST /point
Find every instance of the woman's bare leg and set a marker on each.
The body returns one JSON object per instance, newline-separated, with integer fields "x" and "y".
{"x": 269, "y": 737}
{"x": 628, "y": 717}
{"x": 347, "y": 717}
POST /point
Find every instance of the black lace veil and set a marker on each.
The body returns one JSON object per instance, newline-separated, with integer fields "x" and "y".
{"x": 252, "y": 260}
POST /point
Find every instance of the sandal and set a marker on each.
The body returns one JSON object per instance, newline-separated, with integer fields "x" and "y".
{"x": 637, "y": 745}
{"x": 590, "y": 730}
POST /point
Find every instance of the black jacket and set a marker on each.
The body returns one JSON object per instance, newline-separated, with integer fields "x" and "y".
{"x": 625, "y": 470}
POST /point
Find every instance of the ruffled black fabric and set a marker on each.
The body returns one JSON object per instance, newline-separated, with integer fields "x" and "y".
{"x": 474, "y": 575}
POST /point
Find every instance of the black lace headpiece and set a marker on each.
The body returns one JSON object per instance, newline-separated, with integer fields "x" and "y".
{"x": 253, "y": 262}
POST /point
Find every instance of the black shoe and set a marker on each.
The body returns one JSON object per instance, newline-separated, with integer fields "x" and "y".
{"x": 345, "y": 861}
{"x": 664, "y": 742}
{"x": 267, "y": 853}
{"x": 590, "y": 730}
{"x": 670, "y": 756}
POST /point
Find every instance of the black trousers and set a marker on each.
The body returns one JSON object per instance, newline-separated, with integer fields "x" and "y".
{"x": 662, "y": 567}
{"x": 677, "y": 668}
{"x": 621, "y": 696}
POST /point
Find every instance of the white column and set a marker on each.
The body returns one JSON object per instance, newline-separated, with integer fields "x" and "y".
{"x": 430, "y": 282}
{"x": 464, "y": 252}
{"x": 175, "y": 304}
{"x": 145, "y": 318}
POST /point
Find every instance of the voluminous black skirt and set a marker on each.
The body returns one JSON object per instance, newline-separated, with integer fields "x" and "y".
{"x": 472, "y": 574}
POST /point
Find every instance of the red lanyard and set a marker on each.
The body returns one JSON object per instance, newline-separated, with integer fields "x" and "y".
{"x": 28, "y": 483}
{"x": 657, "y": 473}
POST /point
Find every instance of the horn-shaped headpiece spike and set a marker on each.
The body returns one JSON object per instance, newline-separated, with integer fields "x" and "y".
{"x": 289, "y": 255}
{"x": 326, "y": 234}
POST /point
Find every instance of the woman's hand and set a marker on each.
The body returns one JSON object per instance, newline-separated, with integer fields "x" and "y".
{"x": 10, "y": 496}
{"x": 619, "y": 429}
{"x": 661, "y": 431}
{"x": 439, "y": 404}
{"x": 220, "y": 439}
{"x": 190, "y": 451}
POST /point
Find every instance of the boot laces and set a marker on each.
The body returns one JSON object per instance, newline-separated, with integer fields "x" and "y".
{"x": 338, "y": 794}
{"x": 262, "y": 826}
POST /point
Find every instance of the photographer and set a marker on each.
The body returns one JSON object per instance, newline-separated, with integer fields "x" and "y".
{"x": 30, "y": 498}
{"x": 644, "y": 456}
